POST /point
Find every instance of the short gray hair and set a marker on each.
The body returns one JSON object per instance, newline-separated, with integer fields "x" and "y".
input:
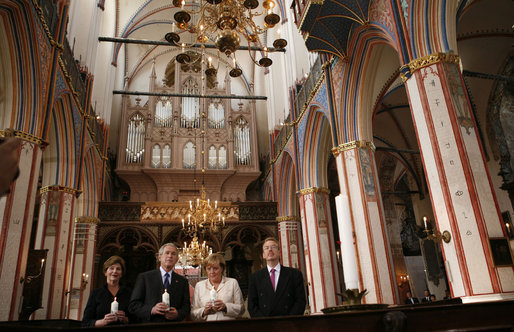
{"x": 161, "y": 250}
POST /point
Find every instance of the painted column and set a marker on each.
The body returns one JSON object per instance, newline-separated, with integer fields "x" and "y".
{"x": 319, "y": 248}
{"x": 16, "y": 216}
{"x": 291, "y": 242}
{"x": 54, "y": 233}
{"x": 82, "y": 261}
{"x": 360, "y": 194}
{"x": 459, "y": 183}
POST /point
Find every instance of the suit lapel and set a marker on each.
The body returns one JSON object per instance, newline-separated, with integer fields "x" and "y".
{"x": 283, "y": 279}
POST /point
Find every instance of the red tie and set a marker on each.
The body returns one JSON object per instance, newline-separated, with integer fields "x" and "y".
{"x": 273, "y": 278}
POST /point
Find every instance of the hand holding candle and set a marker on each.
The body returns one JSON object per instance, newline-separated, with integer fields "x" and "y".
{"x": 166, "y": 298}
{"x": 213, "y": 296}
{"x": 114, "y": 307}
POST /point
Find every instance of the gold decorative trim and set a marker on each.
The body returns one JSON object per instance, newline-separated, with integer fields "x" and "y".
{"x": 407, "y": 70}
{"x": 311, "y": 190}
{"x": 25, "y": 136}
{"x": 352, "y": 145}
{"x": 288, "y": 218}
{"x": 68, "y": 190}
{"x": 87, "y": 220}
{"x": 41, "y": 16}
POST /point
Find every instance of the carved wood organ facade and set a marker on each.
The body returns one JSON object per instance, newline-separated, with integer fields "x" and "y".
{"x": 165, "y": 143}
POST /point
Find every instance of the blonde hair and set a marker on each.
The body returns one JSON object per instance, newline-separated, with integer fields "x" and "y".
{"x": 213, "y": 259}
{"x": 270, "y": 238}
{"x": 114, "y": 260}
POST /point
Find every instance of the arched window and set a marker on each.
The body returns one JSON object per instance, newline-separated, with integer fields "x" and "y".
{"x": 216, "y": 114}
{"x": 242, "y": 151}
{"x": 163, "y": 113}
{"x": 212, "y": 157}
{"x": 190, "y": 106}
{"x": 166, "y": 156}
{"x": 156, "y": 156}
{"x": 135, "y": 139}
{"x": 189, "y": 156}
{"x": 222, "y": 158}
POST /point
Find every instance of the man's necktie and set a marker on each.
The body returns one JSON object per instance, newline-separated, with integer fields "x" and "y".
{"x": 166, "y": 280}
{"x": 273, "y": 278}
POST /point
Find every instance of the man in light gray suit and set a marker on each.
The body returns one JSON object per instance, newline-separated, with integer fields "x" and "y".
{"x": 146, "y": 300}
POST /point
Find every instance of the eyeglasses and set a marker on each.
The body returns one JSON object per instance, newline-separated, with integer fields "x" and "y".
{"x": 270, "y": 248}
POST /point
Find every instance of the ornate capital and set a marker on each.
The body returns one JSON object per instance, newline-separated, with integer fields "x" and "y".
{"x": 352, "y": 145}
{"x": 288, "y": 218}
{"x": 311, "y": 190}
{"x": 407, "y": 70}
{"x": 24, "y": 136}
{"x": 68, "y": 190}
{"x": 87, "y": 220}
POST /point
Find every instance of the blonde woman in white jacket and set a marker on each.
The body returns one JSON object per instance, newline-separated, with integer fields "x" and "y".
{"x": 218, "y": 297}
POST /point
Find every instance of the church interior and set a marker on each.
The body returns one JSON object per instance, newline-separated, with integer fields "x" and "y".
{"x": 370, "y": 137}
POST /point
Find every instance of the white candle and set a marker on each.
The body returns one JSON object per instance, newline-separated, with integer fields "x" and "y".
{"x": 278, "y": 33}
{"x": 425, "y": 222}
{"x": 182, "y": 223}
{"x": 213, "y": 295}
{"x": 166, "y": 298}
{"x": 114, "y": 307}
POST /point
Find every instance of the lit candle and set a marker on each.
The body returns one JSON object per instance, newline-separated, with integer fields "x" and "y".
{"x": 425, "y": 222}
{"x": 219, "y": 216}
{"x": 185, "y": 246}
{"x": 234, "y": 61}
{"x": 43, "y": 263}
{"x": 223, "y": 221}
{"x": 209, "y": 202}
{"x": 197, "y": 201}
{"x": 182, "y": 47}
{"x": 190, "y": 205}
{"x": 166, "y": 297}
{"x": 210, "y": 61}
{"x": 215, "y": 204}
{"x": 114, "y": 307}
{"x": 188, "y": 219}
{"x": 265, "y": 52}
{"x": 182, "y": 223}
{"x": 204, "y": 217}
{"x": 182, "y": 4}
{"x": 278, "y": 33}
{"x": 213, "y": 295}
{"x": 506, "y": 225}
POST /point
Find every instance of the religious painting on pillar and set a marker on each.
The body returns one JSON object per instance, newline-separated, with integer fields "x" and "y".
{"x": 367, "y": 172}
{"x": 500, "y": 250}
{"x": 409, "y": 233}
{"x": 320, "y": 213}
{"x": 459, "y": 99}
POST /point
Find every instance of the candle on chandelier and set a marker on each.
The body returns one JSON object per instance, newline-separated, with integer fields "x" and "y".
{"x": 265, "y": 52}
{"x": 209, "y": 59}
{"x": 208, "y": 202}
{"x": 197, "y": 202}
{"x": 190, "y": 205}
{"x": 219, "y": 216}
{"x": 189, "y": 219}
{"x": 173, "y": 27}
{"x": 182, "y": 3}
{"x": 278, "y": 33}
{"x": 204, "y": 217}
{"x": 215, "y": 204}
{"x": 223, "y": 221}
{"x": 182, "y": 47}
{"x": 185, "y": 246}
{"x": 182, "y": 223}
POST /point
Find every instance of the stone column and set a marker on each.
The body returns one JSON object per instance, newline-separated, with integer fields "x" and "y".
{"x": 360, "y": 194}
{"x": 16, "y": 216}
{"x": 54, "y": 233}
{"x": 460, "y": 187}
{"x": 319, "y": 248}
{"x": 82, "y": 264}
{"x": 291, "y": 242}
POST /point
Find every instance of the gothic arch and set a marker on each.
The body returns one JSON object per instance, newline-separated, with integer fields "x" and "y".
{"x": 287, "y": 200}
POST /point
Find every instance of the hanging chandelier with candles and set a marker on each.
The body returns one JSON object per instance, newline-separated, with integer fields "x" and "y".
{"x": 224, "y": 22}
{"x": 203, "y": 216}
{"x": 194, "y": 253}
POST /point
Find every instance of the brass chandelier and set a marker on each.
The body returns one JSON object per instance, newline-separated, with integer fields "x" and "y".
{"x": 194, "y": 253}
{"x": 203, "y": 216}
{"x": 224, "y": 22}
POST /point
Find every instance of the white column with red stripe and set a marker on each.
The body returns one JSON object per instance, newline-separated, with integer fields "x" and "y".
{"x": 319, "y": 248}
{"x": 363, "y": 224}
{"x": 459, "y": 183}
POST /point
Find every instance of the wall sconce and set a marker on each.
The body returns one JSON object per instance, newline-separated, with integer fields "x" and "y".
{"x": 403, "y": 279}
{"x": 84, "y": 281}
{"x": 29, "y": 279}
{"x": 435, "y": 235}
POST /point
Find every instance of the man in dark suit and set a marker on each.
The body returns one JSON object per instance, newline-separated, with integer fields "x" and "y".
{"x": 275, "y": 290}
{"x": 146, "y": 300}
{"x": 426, "y": 297}
{"x": 410, "y": 299}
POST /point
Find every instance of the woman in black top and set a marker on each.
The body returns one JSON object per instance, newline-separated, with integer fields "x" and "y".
{"x": 98, "y": 308}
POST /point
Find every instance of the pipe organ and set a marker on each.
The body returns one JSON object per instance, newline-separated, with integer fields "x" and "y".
{"x": 165, "y": 142}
